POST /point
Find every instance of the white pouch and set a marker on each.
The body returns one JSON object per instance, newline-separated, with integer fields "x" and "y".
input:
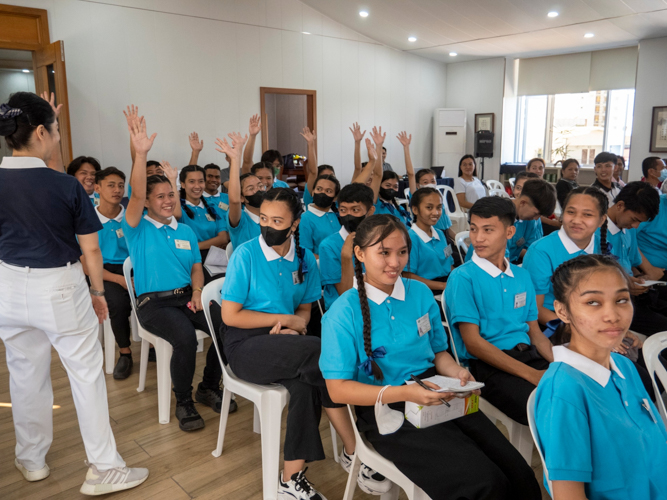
{"x": 388, "y": 420}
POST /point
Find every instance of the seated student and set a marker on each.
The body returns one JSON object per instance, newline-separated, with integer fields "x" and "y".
{"x": 355, "y": 202}
{"x": 212, "y": 191}
{"x": 381, "y": 332}
{"x": 320, "y": 220}
{"x": 652, "y": 240}
{"x": 206, "y": 220}
{"x": 153, "y": 168}
{"x": 568, "y": 180}
{"x": 385, "y": 166}
{"x": 467, "y": 186}
{"x": 431, "y": 258}
{"x": 245, "y": 197}
{"x": 536, "y": 166}
{"x": 618, "y": 171}
{"x": 425, "y": 177}
{"x": 600, "y": 435}
{"x": 652, "y": 168}
{"x": 604, "y": 169}
{"x": 84, "y": 169}
{"x": 636, "y": 203}
{"x": 275, "y": 159}
{"x": 266, "y": 174}
{"x": 262, "y": 326}
{"x": 386, "y": 200}
{"x": 491, "y": 307}
{"x": 537, "y": 199}
{"x": 520, "y": 180}
{"x": 168, "y": 279}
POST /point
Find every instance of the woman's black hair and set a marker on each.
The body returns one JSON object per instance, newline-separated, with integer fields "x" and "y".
{"x": 569, "y": 162}
{"x": 525, "y": 175}
{"x": 271, "y": 155}
{"x": 324, "y": 167}
{"x": 329, "y": 178}
{"x": 422, "y": 193}
{"x": 78, "y": 162}
{"x": 603, "y": 206}
{"x": 263, "y": 165}
{"x": 153, "y": 181}
{"x": 421, "y": 173}
{"x": 103, "y": 174}
{"x": 542, "y": 195}
{"x": 532, "y": 160}
{"x": 389, "y": 174}
{"x": 21, "y": 115}
{"x": 605, "y": 157}
{"x": 465, "y": 157}
{"x": 211, "y": 166}
{"x": 293, "y": 202}
{"x": 373, "y": 230}
{"x": 641, "y": 198}
{"x": 182, "y": 176}
{"x": 494, "y": 206}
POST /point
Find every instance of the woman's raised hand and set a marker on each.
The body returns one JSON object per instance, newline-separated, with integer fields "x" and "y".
{"x": 356, "y": 132}
{"x": 52, "y": 102}
{"x": 372, "y": 153}
{"x": 377, "y": 136}
{"x": 132, "y": 114}
{"x": 170, "y": 172}
{"x": 309, "y": 135}
{"x": 255, "y": 125}
{"x": 140, "y": 140}
{"x": 235, "y": 150}
{"x": 195, "y": 143}
{"x": 404, "y": 138}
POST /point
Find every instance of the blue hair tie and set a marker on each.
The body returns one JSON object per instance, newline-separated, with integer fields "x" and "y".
{"x": 552, "y": 326}
{"x": 366, "y": 366}
{"x": 7, "y": 111}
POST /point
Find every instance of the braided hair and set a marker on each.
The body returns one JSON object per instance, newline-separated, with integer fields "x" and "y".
{"x": 293, "y": 202}
{"x": 373, "y": 230}
{"x": 603, "y": 205}
{"x": 182, "y": 177}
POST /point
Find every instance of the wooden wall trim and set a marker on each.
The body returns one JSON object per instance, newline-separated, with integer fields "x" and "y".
{"x": 23, "y": 28}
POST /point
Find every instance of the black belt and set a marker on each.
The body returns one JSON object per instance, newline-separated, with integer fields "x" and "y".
{"x": 521, "y": 347}
{"x": 169, "y": 293}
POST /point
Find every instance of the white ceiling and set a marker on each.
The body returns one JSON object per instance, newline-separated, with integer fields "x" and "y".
{"x": 479, "y": 29}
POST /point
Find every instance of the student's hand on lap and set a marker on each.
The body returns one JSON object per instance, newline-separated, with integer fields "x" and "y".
{"x": 121, "y": 281}
{"x": 195, "y": 143}
{"x": 465, "y": 376}
{"x": 255, "y": 125}
{"x": 654, "y": 273}
{"x": 296, "y": 323}
{"x": 195, "y": 302}
{"x": 421, "y": 396}
{"x": 356, "y": 132}
{"x": 279, "y": 330}
{"x": 100, "y": 307}
{"x": 308, "y": 135}
{"x": 636, "y": 289}
{"x": 404, "y": 139}
{"x": 140, "y": 140}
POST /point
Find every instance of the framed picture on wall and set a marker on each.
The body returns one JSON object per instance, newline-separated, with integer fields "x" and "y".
{"x": 484, "y": 121}
{"x": 659, "y": 130}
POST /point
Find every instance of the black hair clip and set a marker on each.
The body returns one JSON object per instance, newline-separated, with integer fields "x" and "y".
{"x": 7, "y": 112}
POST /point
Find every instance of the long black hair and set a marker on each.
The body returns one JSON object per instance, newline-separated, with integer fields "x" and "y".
{"x": 373, "y": 230}
{"x": 293, "y": 202}
{"x": 182, "y": 176}
{"x": 21, "y": 115}
{"x": 465, "y": 157}
{"x": 603, "y": 205}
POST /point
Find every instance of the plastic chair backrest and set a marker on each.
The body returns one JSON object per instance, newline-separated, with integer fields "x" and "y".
{"x": 406, "y": 193}
{"x": 127, "y": 272}
{"x": 451, "y": 200}
{"x": 405, "y": 203}
{"x": 461, "y": 243}
{"x": 530, "y": 409}
{"x": 229, "y": 249}
{"x": 512, "y": 181}
{"x": 211, "y": 293}
{"x": 558, "y": 211}
{"x": 494, "y": 184}
{"x": 498, "y": 192}
{"x": 652, "y": 348}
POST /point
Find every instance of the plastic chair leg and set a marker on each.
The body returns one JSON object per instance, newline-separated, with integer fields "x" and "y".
{"x": 163, "y": 352}
{"x": 392, "y": 494}
{"x": 200, "y": 345}
{"x": 109, "y": 346}
{"x": 522, "y": 440}
{"x": 134, "y": 327}
{"x": 352, "y": 478}
{"x": 270, "y": 415}
{"x": 224, "y": 415}
{"x": 334, "y": 441}
{"x": 257, "y": 422}
{"x": 143, "y": 365}
{"x": 100, "y": 334}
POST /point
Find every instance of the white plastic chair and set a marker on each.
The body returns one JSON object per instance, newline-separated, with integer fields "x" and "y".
{"x": 406, "y": 193}
{"x": 229, "y": 249}
{"x": 530, "y": 409}
{"x": 462, "y": 246}
{"x": 653, "y": 346}
{"x": 512, "y": 181}
{"x": 558, "y": 211}
{"x": 457, "y": 217}
{"x": 269, "y": 401}
{"x": 163, "y": 351}
{"x": 498, "y": 192}
{"x": 366, "y": 453}
{"x": 494, "y": 184}
{"x": 404, "y": 203}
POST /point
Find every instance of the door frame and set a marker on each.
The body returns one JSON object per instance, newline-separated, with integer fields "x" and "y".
{"x": 311, "y": 108}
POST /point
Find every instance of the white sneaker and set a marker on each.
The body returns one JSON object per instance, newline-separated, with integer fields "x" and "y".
{"x": 108, "y": 481}
{"x": 369, "y": 481}
{"x": 32, "y": 475}
{"x": 298, "y": 488}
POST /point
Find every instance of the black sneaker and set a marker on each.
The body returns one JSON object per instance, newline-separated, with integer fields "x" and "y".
{"x": 151, "y": 354}
{"x": 213, "y": 398}
{"x": 298, "y": 488}
{"x": 123, "y": 367}
{"x": 188, "y": 417}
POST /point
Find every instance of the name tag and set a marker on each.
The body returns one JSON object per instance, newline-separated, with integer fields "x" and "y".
{"x": 519, "y": 300}
{"x": 185, "y": 245}
{"x": 423, "y": 325}
{"x": 119, "y": 232}
{"x": 521, "y": 242}
{"x": 209, "y": 218}
{"x": 448, "y": 251}
{"x": 223, "y": 206}
{"x": 295, "y": 278}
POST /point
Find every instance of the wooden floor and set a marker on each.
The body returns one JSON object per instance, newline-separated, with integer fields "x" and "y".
{"x": 181, "y": 465}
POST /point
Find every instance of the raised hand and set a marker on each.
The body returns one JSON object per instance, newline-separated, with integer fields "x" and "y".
{"x": 140, "y": 140}
{"x": 234, "y": 150}
{"x": 377, "y": 136}
{"x": 356, "y": 132}
{"x": 132, "y": 114}
{"x": 195, "y": 143}
{"x": 255, "y": 125}
{"x": 372, "y": 153}
{"x": 52, "y": 102}
{"x": 169, "y": 172}
{"x": 404, "y": 138}
{"x": 238, "y": 140}
{"x": 308, "y": 135}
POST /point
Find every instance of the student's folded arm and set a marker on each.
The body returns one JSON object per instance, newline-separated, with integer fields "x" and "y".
{"x": 352, "y": 392}
{"x": 446, "y": 365}
{"x": 234, "y": 315}
{"x": 544, "y": 315}
{"x": 303, "y": 311}
{"x": 540, "y": 341}
{"x": 568, "y": 490}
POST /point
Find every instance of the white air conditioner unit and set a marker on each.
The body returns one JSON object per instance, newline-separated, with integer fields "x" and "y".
{"x": 449, "y": 138}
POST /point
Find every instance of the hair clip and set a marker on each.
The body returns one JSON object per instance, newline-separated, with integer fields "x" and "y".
{"x": 7, "y": 112}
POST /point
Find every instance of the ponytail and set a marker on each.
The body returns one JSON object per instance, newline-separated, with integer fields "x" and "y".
{"x": 604, "y": 246}
{"x": 366, "y": 316}
{"x": 184, "y": 205}
{"x": 299, "y": 255}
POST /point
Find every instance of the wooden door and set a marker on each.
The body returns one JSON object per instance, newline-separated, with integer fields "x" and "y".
{"x": 51, "y": 76}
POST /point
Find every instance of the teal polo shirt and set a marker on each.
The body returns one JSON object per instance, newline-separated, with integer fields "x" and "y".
{"x": 330, "y": 265}
{"x": 246, "y": 229}
{"x": 315, "y": 226}
{"x": 111, "y": 238}
{"x": 622, "y": 243}
{"x": 203, "y": 223}
{"x": 383, "y": 207}
{"x": 652, "y": 236}
{"x": 430, "y": 255}
{"x": 220, "y": 200}
{"x": 527, "y": 233}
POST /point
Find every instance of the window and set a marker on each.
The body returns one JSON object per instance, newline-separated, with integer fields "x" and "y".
{"x": 560, "y": 126}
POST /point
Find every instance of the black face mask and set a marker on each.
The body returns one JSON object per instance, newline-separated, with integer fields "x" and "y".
{"x": 350, "y": 222}
{"x": 388, "y": 194}
{"x": 274, "y": 237}
{"x": 255, "y": 200}
{"x": 322, "y": 200}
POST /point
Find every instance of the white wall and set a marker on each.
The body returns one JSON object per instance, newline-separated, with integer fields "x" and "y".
{"x": 650, "y": 91}
{"x": 197, "y": 65}
{"x": 478, "y": 86}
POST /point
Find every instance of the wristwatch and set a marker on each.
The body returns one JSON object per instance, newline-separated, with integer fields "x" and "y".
{"x": 96, "y": 293}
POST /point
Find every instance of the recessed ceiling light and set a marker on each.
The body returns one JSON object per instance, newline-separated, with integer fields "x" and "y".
{"x": 453, "y": 54}
{"x": 553, "y": 13}
{"x": 589, "y": 35}
{"x": 363, "y": 13}
{"x": 305, "y": 32}
{"x": 26, "y": 71}
{"x": 412, "y": 39}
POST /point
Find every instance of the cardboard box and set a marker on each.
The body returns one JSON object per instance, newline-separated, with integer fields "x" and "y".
{"x": 426, "y": 416}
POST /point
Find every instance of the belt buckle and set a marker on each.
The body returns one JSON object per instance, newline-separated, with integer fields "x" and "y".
{"x": 178, "y": 291}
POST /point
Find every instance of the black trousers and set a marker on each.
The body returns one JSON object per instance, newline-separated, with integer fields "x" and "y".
{"x": 467, "y": 458}
{"x": 292, "y": 361}
{"x": 170, "y": 319}
{"x": 120, "y": 307}
{"x": 505, "y": 391}
{"x": 650, "y": 313}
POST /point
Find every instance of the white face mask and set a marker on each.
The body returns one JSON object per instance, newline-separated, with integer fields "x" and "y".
{"x": 388, "y": 420}
{"x": 434, "y": 186}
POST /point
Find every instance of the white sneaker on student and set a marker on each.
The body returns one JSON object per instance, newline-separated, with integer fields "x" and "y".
{"x": 108, "y": 481}
{"x": 369, "y": 481}
{"x": 32, "y": 475}
{"x": 298, "y": 488}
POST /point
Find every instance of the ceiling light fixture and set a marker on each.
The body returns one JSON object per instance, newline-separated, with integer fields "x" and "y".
{"x": 412, "y": 39}
{"x": 453, "y": 54}
{"x": 26, "y": 71}
{"x": 589, "y": 35}
{"x": 363, "y": 13}
{"x": 553, "y": 13}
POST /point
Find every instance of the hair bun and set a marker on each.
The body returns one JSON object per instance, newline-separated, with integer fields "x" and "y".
{"x": 8, "y": 124}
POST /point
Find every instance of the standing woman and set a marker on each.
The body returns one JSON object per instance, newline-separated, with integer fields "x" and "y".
{"x": 467, "y": 186}
{"x": 45, "y": 300}
{"x": 168, "y": 279}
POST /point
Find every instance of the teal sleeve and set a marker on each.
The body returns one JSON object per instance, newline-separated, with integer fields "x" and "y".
{"x": 312, "y": 277}
{"x": 236, "y": 287}
{"x": 306, "y": 236}
{"x": 339, "y": 356}
{"x": 537, "y": 263}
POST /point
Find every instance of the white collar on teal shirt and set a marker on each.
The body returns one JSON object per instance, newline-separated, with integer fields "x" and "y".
{"x": 319, "y": 213}
{"x": 425, "y": 237}
{"x": 209, "y": 195}
{"x": 270, "y": 254}
{"x": 571, "y": 246}
{"x": 613, "y": 228}
{"x": 378, "y": 296}
{"x": 173, "y": 224}
{"x": 343, "y": 233}
{"x": 22, "y": 162}
{"x": 489, "y": 268}
{"x": 104, "y": 220}
{"x": 586, "y": 365}
{"x": 253, "y": 217}
{"x": 201, "y": 204}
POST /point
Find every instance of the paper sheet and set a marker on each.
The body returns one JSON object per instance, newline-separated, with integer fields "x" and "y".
{"x": 651, "y": 283}
{"x": 216, "y": 261}
{"x": 449, "y": 384}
